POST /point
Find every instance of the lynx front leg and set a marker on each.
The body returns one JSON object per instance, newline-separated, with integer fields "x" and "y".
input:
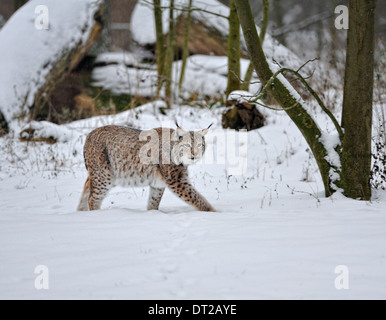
{"x": 155, "y": 196}
{"x": 186, "y": 192}
{"x": 176, "y": 178}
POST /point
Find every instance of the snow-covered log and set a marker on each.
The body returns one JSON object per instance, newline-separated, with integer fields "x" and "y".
{"x": 40, "y": 44}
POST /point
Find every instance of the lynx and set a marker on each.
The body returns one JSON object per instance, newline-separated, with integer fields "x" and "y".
{"x": 121, "y": 156}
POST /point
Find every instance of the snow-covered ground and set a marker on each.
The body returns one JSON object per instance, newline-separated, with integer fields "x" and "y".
{"x": 275, "y": 235}
{"x": 205, "y": 76}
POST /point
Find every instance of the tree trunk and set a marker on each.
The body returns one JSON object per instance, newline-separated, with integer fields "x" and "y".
{"x": 233, "y": 50}
{"x": 264, "y": 21}
{"x": 334, "y": 46}
{"x": 283, "y": 96}
{"x": 185, "y": 48}
{"x": 278, "y": 19}
{"x": 170, "y": 56}
{"x": 160, "y": 44}
{"x": 263, "y": 30}
{"x": 357, "y": 101}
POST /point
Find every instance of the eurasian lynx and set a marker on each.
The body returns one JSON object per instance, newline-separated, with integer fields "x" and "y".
{"x": 120, "y": 156}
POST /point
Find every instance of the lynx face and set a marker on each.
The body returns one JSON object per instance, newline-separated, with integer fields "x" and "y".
{"x": 189, "y": 147}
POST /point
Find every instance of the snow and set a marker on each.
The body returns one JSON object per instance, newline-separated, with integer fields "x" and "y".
{"x": 28, "y": 53}
{"x": 331, "y": 142}
{"x": 47, "y": 130}
{"x": 120, "y": 79}
{"x": 274, "y": 235}
{"x": 275, "y": 68}
{"x": 143, "y": 29}
{"x": 207, "y": 75}
{"x": 126, "y": 58}
{"x": 241, "y": 96}
{"x": 204, "y": 75}
{"x": 143, "y": 26}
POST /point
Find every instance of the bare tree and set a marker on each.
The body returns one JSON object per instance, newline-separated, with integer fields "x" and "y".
{"x": 358, "y": 99}
{"x": 160, "y": 43}
{"x": 355, "y": 139}
{"x": 263, "y": 30}
{"x": 185, "y": 48}
{"x": 170, "y": 56}
{"x": 233, "y": 50}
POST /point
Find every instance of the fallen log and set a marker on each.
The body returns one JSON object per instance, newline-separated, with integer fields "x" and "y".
{"x": 243, "y": 115}
{"x": 40, "y": 45}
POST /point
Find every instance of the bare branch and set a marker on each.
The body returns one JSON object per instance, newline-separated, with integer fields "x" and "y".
{"x": 184, "y": 9}
{"x": 308, "y": 87}
{"x": 305, "y": 63}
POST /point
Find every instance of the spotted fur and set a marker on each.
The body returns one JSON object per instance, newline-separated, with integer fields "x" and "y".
{"x": 120, "y": 156}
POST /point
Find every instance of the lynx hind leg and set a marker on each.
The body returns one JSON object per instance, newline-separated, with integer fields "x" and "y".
{"x": 100, "y": 185}
{"x": 155, "y": 196}
{"x": 83, "y": 204}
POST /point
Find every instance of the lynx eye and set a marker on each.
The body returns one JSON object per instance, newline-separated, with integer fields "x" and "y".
{"x": 187, "y": 145}
{"x": 200, "y": 145}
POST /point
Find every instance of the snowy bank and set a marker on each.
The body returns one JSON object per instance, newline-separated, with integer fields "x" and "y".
{"x": 30, "y": 53}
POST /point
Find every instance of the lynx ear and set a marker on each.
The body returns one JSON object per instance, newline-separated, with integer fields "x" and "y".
{"x": 180, "y": 131}
{"x": 205, "y": 131}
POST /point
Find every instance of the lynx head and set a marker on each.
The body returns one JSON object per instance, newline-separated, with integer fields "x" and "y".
{"x": 189, "y": 146}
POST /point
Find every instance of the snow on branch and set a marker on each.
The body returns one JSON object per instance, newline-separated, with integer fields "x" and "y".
{"x": 295, "y": 94}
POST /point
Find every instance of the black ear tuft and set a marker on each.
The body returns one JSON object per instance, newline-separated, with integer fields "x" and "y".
{"x": 180, "y": 132}
{"x": 210, "y": 125}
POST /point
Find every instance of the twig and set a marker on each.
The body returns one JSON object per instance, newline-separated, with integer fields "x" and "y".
{"x": 307, "y": 62}
{"x": 184, "y": 9}
{"x": 320, "y": 102}
{"x": 308, "y": 87}
{"x": 303, "y": 192}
